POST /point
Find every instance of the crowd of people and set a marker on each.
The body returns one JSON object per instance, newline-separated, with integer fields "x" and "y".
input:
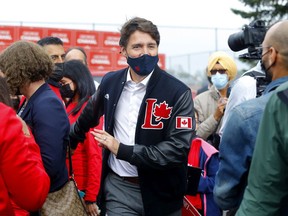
{"x": 134, "y": 135}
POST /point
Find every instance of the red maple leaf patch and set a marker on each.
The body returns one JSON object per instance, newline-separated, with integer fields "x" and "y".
{"x": 162, "y": 111}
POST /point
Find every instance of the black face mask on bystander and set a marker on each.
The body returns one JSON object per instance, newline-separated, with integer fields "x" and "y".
{"x": 267, "y": 73}
{"x": 57, "y": 74}
{"x": 66, "y": 91}
{"x": 266, "y": 69}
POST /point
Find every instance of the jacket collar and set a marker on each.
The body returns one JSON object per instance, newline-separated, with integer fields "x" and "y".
{"x": 29, "y": 103}
{"x": 275, "y": 83}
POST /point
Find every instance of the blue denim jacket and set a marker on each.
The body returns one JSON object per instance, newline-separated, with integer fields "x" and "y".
{"x": 237, "y": 146}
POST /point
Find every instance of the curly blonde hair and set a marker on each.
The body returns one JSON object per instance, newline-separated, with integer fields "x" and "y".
{"x": 24, "y": 62}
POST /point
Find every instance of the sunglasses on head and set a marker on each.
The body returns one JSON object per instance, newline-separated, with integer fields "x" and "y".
{"x": 220, "y": 71}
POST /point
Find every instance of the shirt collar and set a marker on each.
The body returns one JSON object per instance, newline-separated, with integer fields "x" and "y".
{"x": 144, "y": 81}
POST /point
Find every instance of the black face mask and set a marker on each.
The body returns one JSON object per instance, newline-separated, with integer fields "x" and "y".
{"x": 66, "y": 91}
{"x": 57, "y": 74}
{"x": 144, "y": 64}
{"x": 267, "y": 73}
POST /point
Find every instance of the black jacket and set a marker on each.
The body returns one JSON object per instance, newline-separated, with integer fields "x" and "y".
{"x": 161, "y": 142}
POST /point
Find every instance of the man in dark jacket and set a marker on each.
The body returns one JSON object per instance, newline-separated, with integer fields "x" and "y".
{"x": 149, "y": 125}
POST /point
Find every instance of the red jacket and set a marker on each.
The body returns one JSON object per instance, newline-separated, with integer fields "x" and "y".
{"x": 22, "y": 175}
{"x": 87, "y": 160}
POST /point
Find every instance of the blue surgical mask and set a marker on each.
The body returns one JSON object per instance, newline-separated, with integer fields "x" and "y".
{"x": 143, "y": 65}
{"x": 219, "y": 80}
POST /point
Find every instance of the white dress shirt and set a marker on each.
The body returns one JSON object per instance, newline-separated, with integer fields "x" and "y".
{"x": 126, "y": 116}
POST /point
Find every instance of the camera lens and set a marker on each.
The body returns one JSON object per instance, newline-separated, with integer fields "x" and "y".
{"x": 236, "y": 42}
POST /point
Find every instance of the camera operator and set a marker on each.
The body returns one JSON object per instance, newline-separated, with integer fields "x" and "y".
{"x": 239, "y": 135}
{"x": 253, "y": 82}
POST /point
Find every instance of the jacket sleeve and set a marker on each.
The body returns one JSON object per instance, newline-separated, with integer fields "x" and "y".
{"x": 89, "y": 118}
{"x": 173, "y": 150}
{"x": 94, "y": 157}
{"x": 51, "y": 130}
{"x": 21, "y": 165}
{"x": 235, "y": 157}
{"x": 207, "y": 182}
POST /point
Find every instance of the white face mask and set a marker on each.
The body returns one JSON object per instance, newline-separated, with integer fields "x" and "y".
{"x": 219, "y": 80}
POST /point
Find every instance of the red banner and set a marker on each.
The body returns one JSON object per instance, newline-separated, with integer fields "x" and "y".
{"x": 30, "y": 33}
{"x": 111, "y": 40}
{"x": 102, "y": 48}
{"x": 87, "y": 39}
{"x": 7, "y": 35}
{"x": 121, "y": 61}
{"x": 64, "y": 34}
{"x": 101, "y": 60}
{"x": 161, "y": 61}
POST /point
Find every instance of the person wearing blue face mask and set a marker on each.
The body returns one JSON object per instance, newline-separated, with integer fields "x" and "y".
{"x": 149, "y": 125}
{"x": 210, "y": 105}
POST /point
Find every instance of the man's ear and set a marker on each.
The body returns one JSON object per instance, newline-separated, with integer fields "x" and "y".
{"x": 273, "y": 55}
{"x": 123, "y": 52}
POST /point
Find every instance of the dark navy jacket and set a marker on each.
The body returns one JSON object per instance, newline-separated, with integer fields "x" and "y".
{"x": 46, "y": 116}
{"x": 161, "y": 142}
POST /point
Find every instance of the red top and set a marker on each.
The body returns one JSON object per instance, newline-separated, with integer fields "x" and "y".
{"x": 56, "y": 90}
{"x": 22, "y": 174}
{"x": 87, "y": 161}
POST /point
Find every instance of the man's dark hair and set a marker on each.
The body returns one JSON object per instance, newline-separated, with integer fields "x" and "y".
{"x": 139, "y": 24}
{"x": 50, "y": 40}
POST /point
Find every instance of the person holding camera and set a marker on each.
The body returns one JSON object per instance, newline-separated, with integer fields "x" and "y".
{"x": 252, "y": 83}
{"x": 210, "y": 105}
{"x": 239, "y": 135}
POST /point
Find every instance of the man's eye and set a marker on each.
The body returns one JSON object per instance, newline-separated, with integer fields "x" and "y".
{"x": 136, "y": 47}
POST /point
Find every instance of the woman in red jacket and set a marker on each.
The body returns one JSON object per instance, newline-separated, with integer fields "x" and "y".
{"x": 77, "y": 87}
{"x": 22, "y": 176}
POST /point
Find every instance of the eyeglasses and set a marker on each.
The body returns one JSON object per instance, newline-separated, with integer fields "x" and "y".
{"x": 220, "y": 71}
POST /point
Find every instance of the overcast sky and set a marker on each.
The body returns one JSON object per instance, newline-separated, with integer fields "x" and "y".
{"x": 186, "y": 26}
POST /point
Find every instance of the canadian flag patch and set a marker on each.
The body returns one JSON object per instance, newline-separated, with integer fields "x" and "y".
{"x": 183, "y": 122}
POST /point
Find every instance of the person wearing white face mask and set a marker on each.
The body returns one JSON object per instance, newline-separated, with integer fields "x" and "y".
{"x": 210, "y": 105}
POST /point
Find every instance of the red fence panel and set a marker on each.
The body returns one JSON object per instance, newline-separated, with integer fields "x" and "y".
{"x": 102, "y": 48}
{"x": 7, "y": 35}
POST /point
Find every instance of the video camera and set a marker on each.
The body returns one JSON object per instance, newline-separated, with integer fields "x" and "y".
{"x": 250, "y": 37}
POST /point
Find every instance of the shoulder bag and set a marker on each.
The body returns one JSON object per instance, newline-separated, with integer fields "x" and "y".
{"x": 65, "y": 201}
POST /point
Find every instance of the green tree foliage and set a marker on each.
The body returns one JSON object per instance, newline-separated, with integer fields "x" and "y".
{"x": 269, "y": 11}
